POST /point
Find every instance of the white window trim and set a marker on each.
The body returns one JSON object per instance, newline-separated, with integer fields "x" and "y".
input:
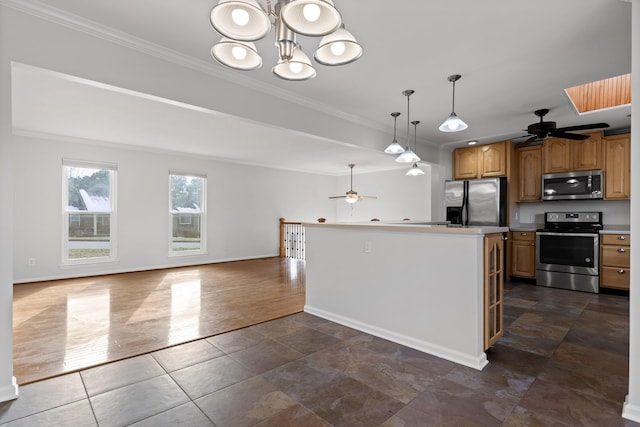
{"x": 203, "y": 216}
{"x": 113, "y": 253}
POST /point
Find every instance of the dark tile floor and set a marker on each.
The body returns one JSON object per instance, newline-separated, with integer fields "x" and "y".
{"x": 562, "y": 362}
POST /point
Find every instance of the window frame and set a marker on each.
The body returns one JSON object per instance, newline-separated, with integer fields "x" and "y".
{"x": 202, "y": 213}
{"x": 68, "y": 214}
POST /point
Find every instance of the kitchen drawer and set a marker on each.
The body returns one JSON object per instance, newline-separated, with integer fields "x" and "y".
{"x": 615, "y": 256}
{"x": 612, "y": 277}
{"x": 615, "y": 239}
{"x": 523, "y": 235}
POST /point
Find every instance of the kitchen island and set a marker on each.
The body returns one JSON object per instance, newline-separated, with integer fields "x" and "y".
{"x": 418, "y": 285}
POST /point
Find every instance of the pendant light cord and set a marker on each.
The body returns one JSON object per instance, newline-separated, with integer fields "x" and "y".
{"x": 453, "y": 101}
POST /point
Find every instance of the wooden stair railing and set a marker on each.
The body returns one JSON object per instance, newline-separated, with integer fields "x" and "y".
{"x": 291, "y": 239}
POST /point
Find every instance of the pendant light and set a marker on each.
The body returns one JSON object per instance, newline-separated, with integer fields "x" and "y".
{"x": 415, "y": 170}
{"x": 394, "y": 147}
{"x": 408, "y": 156}
{"x": 453, "y": 122}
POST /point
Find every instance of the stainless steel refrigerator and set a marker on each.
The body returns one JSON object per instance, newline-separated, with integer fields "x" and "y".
{"x": 476, "y": 202}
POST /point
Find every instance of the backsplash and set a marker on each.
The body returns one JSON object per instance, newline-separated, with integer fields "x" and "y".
{"x": 614, "y": 212}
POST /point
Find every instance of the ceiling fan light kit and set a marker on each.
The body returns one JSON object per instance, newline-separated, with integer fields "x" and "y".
{"x": 244, "y": 21}
{"x": 453, "y": 122}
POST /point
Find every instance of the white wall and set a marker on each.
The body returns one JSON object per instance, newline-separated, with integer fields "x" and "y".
{"x": 631, "y": 408}
{"x": 616, "y": 212}
{"x": 399, "y": 196}
{"x": 244, "y": 205}
{"x": 8, "y": 388}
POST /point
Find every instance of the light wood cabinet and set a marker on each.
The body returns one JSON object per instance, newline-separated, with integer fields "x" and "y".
{"x": 529, "y": 161}
{"x": 566, "y": 155}
{"x": 523, "y": 254}
{"x": 482, "y": 161}
{"x": 617, "y": 167}
{"x": 587, "y": 154}
{"x": 492, "y": 160}
{"x": 493, "y": 288}
{"x": 465, "y": 163}
{"x": 615, "y": 255}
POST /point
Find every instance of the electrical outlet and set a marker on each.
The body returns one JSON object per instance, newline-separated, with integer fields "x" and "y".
{"x": 31, "y": 262}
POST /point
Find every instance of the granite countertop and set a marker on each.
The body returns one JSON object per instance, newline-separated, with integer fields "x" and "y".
{"x": 525, "y": 227}
{"x": 615, "y": 229}
{"x": 415, "y": 227}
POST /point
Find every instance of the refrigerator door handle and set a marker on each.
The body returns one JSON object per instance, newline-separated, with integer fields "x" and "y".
{"x": 465, "y": 204}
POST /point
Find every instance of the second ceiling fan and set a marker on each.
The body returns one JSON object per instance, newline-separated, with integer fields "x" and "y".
{"x": 352, "y": 196}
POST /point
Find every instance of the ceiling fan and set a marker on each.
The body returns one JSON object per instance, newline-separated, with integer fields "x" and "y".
{"x": 540, "y": 130}
{"x": 352, "y": 196}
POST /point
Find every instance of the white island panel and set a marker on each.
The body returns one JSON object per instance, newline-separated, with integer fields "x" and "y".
{"x": 420, "y": 289}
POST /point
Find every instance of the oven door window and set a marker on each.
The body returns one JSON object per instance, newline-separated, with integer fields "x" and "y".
{"x": 568, "y": 250}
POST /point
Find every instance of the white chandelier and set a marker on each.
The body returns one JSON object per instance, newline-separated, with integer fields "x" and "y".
{"x": 241, "y": 22}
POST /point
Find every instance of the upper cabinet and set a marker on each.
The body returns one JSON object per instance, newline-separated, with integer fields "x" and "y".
{"x": 529, "y": 164}
{"x": 482, "y": 161}
{"x": 617, "y": 167}
{"x": 566, "y": 155}
{"x": 465, "y": 163}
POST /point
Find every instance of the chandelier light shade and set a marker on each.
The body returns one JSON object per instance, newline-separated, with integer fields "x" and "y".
{"x": 453, "y": 122}
{"x": 394, "y": 147}
{"x": 415, "y": 170}
{"x": 338, "y": 48}
{"x": 311, "y": 17}
{"x": 241, "y": 22}
{"x": 408, "y": 156}
{"x": 297, "y": 68}
{"x": 237, "y": 54}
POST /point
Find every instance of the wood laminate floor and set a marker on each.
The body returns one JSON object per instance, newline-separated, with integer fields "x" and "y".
{"x": 68, "y": 325}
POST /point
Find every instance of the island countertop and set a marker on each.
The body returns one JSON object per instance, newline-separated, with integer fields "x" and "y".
{"x": 421, "y": 227}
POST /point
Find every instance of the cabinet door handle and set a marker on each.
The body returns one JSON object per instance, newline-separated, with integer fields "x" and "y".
{"x": 533, "y": 244}
{"x": 622, "y": 237}
{"x": 621, "y": 271}
{"x": 523, "y": 234}
{"x": 622, "y": 250}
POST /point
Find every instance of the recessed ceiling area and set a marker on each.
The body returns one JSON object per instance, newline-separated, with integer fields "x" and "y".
{"x": 601, "y": 95}
{"x": 54, "y": 105}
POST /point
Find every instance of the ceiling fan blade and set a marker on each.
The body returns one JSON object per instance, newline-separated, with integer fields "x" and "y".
{"x": 583, "y": 127}
{"x": 367, "y": 197}
{"x": 337, "y": 197}
{"x": 565, "y": 135}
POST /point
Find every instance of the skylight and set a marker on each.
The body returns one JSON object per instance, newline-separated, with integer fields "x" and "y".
{"x": 601, "y": 95}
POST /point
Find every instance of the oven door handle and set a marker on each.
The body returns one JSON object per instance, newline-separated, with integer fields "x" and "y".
{"x": 553, "y": 233}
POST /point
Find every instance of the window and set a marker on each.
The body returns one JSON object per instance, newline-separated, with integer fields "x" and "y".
{"x": 89, "y": 212}
{"x": 187, "y": 211}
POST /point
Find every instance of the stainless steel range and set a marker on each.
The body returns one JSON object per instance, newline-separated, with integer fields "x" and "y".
{"x": 567, "y": 251}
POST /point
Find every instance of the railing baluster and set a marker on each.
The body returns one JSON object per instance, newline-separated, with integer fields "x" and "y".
{"x": 292, "y": 239}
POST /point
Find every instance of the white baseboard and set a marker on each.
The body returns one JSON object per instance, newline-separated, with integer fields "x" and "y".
{"x": 630, "y": 411}
{"x": 472, "y": 361}
{"x": 9, "y": 392}
{"x": 175, "y": 264}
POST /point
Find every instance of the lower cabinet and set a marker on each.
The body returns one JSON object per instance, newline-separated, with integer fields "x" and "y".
{"x": 493, "y": 288}
{"x": 615, "y": 255}
{"x": 522, "y": 254}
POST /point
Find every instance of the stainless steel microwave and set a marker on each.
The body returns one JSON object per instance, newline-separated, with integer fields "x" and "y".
{"x": 573, "y": 185}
